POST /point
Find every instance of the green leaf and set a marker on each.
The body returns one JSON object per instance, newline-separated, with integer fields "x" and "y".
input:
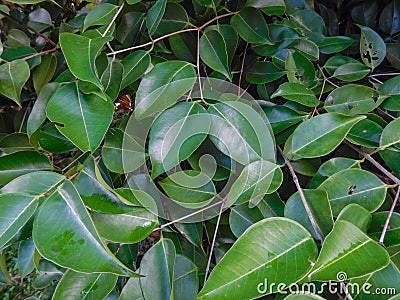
{"x": 296, "y": 92}
{"x": 351, "y": 99}
{"x": 135, "y": 64}
{"x": 251, "y": 26}
{"x": 26, "y": 253}
{"x": 80, "y": 53}
{"x": 392, "y": 236}
{"x": 102, "y": 14}
{"x": 270, "y": 7}
{"x": 351, "y": 72}
{"x": 20, "y": 163}
{"x": 308, "y": 21}
{"x": 75, "y": 286}
{"x": 15, "y": 211}
{"x": 15, "y": 142}
{"x": 175, "y": 18}
{"x": 306, "y": 47}
{"x": 263, "y": 72}
{"x": 357, "y": 215}
{"x": 111, "y": 79}
{"x": 391, "y": 134}
{"x": 84, "y": 119}
{"x": 13, "y": 76}
{"x": 27, "y": 184}
{"x": 372, "y": 47}
{"x": 281, "y": 117}
{"x": 175, "y": 134}
{"x": 321, "y": 134}
{"x": 240, "y": 132}
{"x": 162, "y": 86}
{"x": 252, "y": 184}
{"x": 318, "y": 203}
{"x": 347, "y": 249}
{"x": 213, "y": 52}
{"x": 154, "y": 15}
{"x": 242, "y": 216}
{"x": 190, "y": 188}
{"x": 365, "y": 133}
{"x": 248, "y": 262}
{"x": 63, "y": 227}
{"x": 44, "y": 72}
{"x": 354, "y": 186}
{"x": 51, "y": 140}
{"x": 119, "y": 144}
{"x": 334, "y": 44}
{"x": 39, "y": 19}
{"x": 130, "y": 227}
{"x": 186, "y": 281}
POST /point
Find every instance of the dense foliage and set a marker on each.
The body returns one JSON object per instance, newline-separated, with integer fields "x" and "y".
{"x": 199, "y": 149}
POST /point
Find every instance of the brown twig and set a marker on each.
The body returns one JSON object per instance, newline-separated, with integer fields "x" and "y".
{"x": 113, "y": 19}
{"x": 40, "y": 53}
{"x": 303, "y": 198}
{"x": 386, "y": 226}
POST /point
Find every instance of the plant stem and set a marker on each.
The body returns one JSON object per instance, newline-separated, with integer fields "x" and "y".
{"x": 113, "y": 19}
{"x": 384, "y": 74}
{"x": 40, "y": 53}
{"x": 303, "y": 198}
{"x": 386, "y": 226}
{"x": 74, "y": 161}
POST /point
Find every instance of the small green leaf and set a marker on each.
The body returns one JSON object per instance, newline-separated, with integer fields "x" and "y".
{"x": 135, "y": 64}
{"x": 372, "y": 47}
{"x": 213, "y": 52}
{"x": 296, "y": 92}
{"x": 44, "y": 72}
{"x": 334, "y": 44}
{"x": 111, "y": 79}
{"x": 270, "y": 7}
{"x": 391, "y": 134}
{"x": 351, "y": 72}
{"x": 357, "y": 215}
{"x": 154, "y": 15}
{"x": 263, "y": 72}
{"x": 26, "y": 253}
{"x": 13, "y": 76}
{"x": 102, "y": 14}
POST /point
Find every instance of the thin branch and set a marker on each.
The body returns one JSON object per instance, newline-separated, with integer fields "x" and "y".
{"x": 241, "y": 68}
{"x": 386, "y": 113}
{"x": 326, "y": 78}
{"x": 74, "y": 161}
{"x": 213, "y": 242}
{"x": 187, "y": 216}
{"x": 384, "y": 74}
{"x": 376, "y": 80}
{"x": 171, "y": 34}
{"x": 346, "y": 291}
{"x": 113, "y": 19}
{"x": 386, "y": 226}
{"x": 303, "y": 198}
{"x": 40, "y": 53}
{"x": 29, "y": 27}
{"x": 198, "y": 65}
{"x": 374, "y": 162}
{"x": 24, "y": 117}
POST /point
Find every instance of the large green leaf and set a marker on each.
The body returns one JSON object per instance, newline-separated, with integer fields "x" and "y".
{"x": 213, "y": 52}
{"x": 130, "y": 227}
{"x": 13, "y": 76}
{"x": 186, "y": 281}
{"x": 102, "y": 14}
{"x": 22, "y": 162}
{"x": 162, "y": 86}
{"x": 240, "y": 132}
{"x": 80, "y": 53}
{"x": 154, "y": 15}
{"x": 372, "y": 47}
{"x": 15, "y": 211}
{"x": 285, "y": 244}
{"x": 354, "y": 186}
{"x": 175, "y": 134}
{"x": 321, "y": 134}
{"x": 251, "y": 26}
{"x": 351, "y": 99}
{"x": 391, "y": 134}
{"x": 351, "y": 71}
{"x": 296, "y": 92}
{"x": 63, "y": 227}
{"x": 76, "y": 286}
{"x": 347, "y": 249}
{"x": 318, "y": 204}
{"x": 84, "y": 118}
{"x": 135, "y": 64}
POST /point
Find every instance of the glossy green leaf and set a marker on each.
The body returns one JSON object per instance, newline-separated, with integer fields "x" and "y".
{"x": 162, "y": 86}
{"x": 175, "y": 134}
{"x": 44, "y": 72}
{"x": 235, "y": 135}
{"x": 334, "y": 44}
{"x": 186, "y": 281}
{"x": 39, "y": 19}
{"x": 102, "y": 14}
{"x": 372, "y": 47}
{"x": 263, "y": 72}
{"x": 317, "y": 201}
{"x": 307, "y": 48}
{"x": 26, "y": 253}
{"x": 15, "y": 211}
{"x": 51, "y": 140}
{"x": 347, "y": 249}
{"x": 391, "y": 134}
{"x": 84, "y": 119}
{"x": 130, "y": 227}
{"x": 111, "y": 79}
{"x": 321, "y": 134}
{"x": 74, "y": 286}
{"x": 15, "y": 142}
{"x": 22, "y": 162}
{"x": 296, "y": 92}
{"x": 80, "y": 53}
{"x": 13, "y": 76}
{"x": 175, "y": 18}
{"x": 135, "y": 64}
{"x": 354, "y": 186}
{"x": 351, "y": 99}
{"x": 213, "y": 51}
{"x": 63, "y": 227}
{"x": 248, "y": 262}
{"x": 270, "y": 7}
{"x": 351, "y": 72}
{"x": 365, "y": 133}
{"x": 392, "y": 237}
{"x": 251, "y": 26}
{"x": 357, "y": 215}
{"x": 281, "y": 117}
{"x": 307, "y": 20}
{"x": 154, "y": 15}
